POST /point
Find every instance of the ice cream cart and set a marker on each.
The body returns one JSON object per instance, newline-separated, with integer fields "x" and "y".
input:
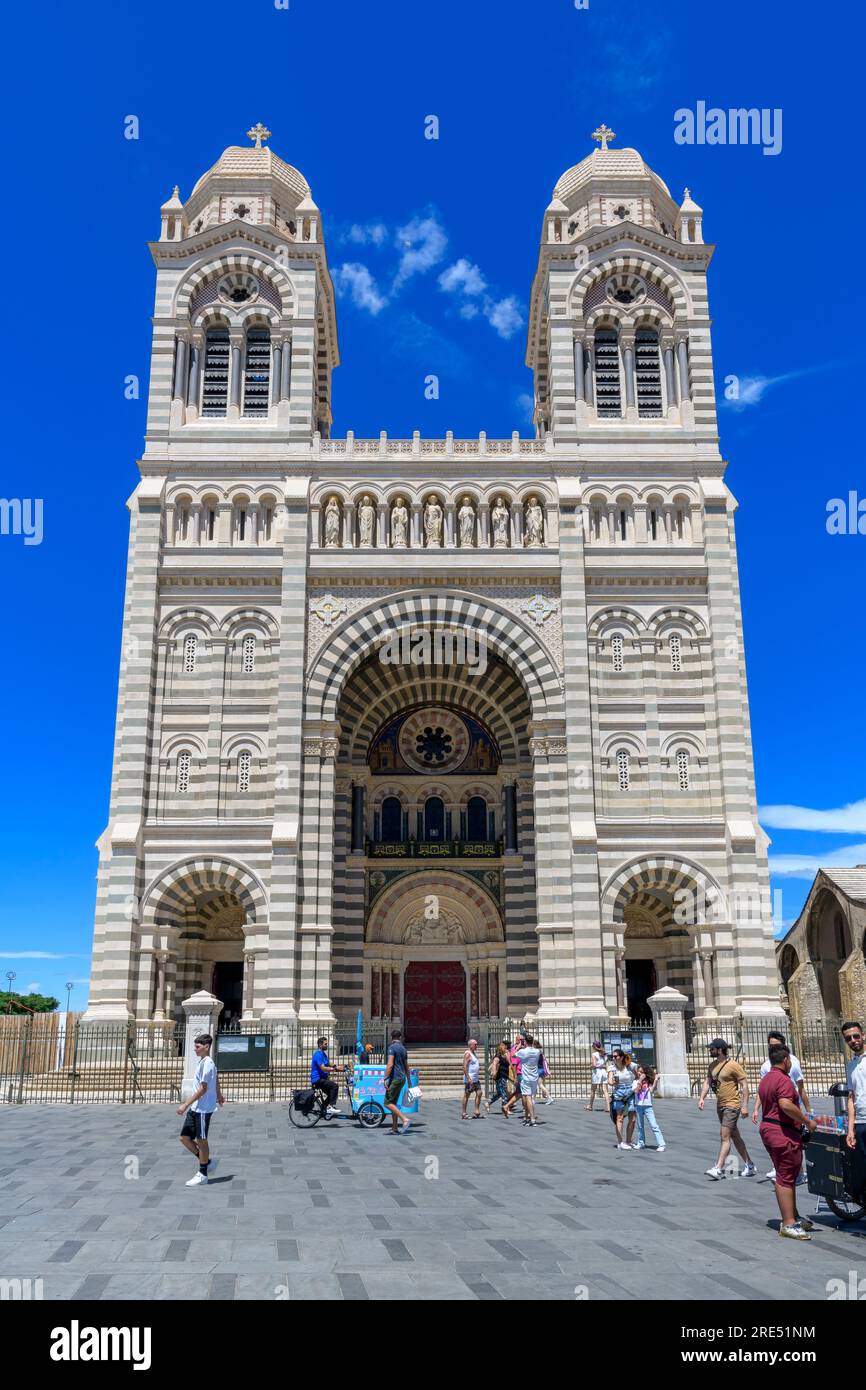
{"x": 366, "y": 1087}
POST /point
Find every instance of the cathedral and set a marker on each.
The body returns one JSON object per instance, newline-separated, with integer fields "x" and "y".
{"x": 437, "y": 729}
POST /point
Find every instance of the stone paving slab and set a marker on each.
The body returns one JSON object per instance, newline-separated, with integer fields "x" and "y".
{"x": 464, "y": 1212}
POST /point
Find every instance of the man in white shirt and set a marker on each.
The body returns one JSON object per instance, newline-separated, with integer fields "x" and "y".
{"x": 199, "y": 1109}
{"x": 795, "y": 1075}
{"x": 855, "y": 1073}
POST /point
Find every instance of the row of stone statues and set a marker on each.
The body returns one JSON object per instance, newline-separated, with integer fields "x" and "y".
{"x": 433, "y": 521}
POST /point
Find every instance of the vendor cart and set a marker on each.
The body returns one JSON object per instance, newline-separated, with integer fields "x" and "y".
{"x": 366, "y": 1087}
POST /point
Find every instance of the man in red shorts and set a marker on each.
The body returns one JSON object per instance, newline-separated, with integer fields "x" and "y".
{"x": 782, "y": 1120}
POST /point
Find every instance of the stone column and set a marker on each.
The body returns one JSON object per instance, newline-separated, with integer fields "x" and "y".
{"x": 579, "y": 391}
{"x": 180, "y": 369}
{"x": 202, "y": 1012}
{"x": 588, "y": 376}
{"x": 683, "y": 365}
{"x": 627, "y": 349}
{"x": 516, "y": 524}
{"x": 416, "y": 524}
{"x": 349, "y": 526}
{"x": 670, "y": 379}
{"x": 668, "y": 1010}
{"x": 621, "y": 997}
{"x": 382, "y": 525}
{"x": 194, "y": 374}
{"x": 483, "y": 523}
{"x": 276, "y": 372}
{"x": 449, "y": 524}
{"x": 709, "y": 984}
{"x": 235, "y": 349}
{"x": 286, "y": 371}
{"x": 161, "y": 958}
{"x": 316, "y": 872}
{"x": 249, "y": 983}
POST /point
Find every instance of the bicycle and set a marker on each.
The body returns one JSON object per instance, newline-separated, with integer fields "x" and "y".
{"x": 315, "y": 1110}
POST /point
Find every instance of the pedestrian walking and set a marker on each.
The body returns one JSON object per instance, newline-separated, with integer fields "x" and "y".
{"x": 199, "y": 1110}
{"x": 855, "y": 1074}
{"x": 644, "y": 1090}
{"x": 396, "y": 1077}
{"x": 727, "y": 1081}
{"x": 500, "y": 1066}
{"x": 543, "y": 1078}
{"x": 621, "y": 1077}
{"x": 529, "y": 1057}
{"x": 796, "y": 1075}
{"x": 514, "y": 1075}
{"x": 598, "y": 1077}
{"x": 471, "y": 1079}
{"x": 782, "y": 1127}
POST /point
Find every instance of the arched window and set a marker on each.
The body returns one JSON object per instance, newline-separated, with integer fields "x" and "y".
{"x": 245, "y": 762}
{"x": 607, "y": 387}
{"x": 623, "y": 523}
{"x": 622, "y": 769}
{"x": 648, "y": 375}
{"x": 392, "y": 819}
{"x": 190, "y": 648}
{"x": 476, "y": 818}
{"x": 184, "y": 759}
{"x": 208, "y": 519}
{"x": 257, "y": 372}
{"x": 434, "y": 818}
{"x": 249, "y": 655}
{"x": 616, "y": 648}
{"x": 683, "y": 769}
{"x": 676, "y": 652}
{"x": 215, "y": 379}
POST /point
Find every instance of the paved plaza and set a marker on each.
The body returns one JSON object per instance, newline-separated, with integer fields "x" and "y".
{"x": 339, "y": 1212}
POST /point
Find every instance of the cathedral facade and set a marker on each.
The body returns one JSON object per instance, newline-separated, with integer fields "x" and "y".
{"x": 438, "y": 729}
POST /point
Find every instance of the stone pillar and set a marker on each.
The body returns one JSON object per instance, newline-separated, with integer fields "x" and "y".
{"x": 249, "y": 983}
{"x": 316, "y": 872}
{"x": 236, "y": 347}
{"x": 382, "y": 524}
{"x": 621, "y": 998}
{"x": 161, "y": 958}
{"x": 683, "y": 365}
{"x": 670, "y": 380}
{"x": 588, "y": 376}
{"x": 276, "y": 372}
{"x": 709, "y": 983}
{"x": 416, "y": 525}
{"x": 510, "y": 818}
{"x": 286, "y": 371}
{"x": 627, "y": 348}
{"x": 483, "y": 523}
{"x": 579, "y": 392}
{"x": 449, "y": 525}
{"x": 668, "y": 1010}
{"x": 180, "y": 370}
{"x": 516, "y": 523}
{"x": 358, "y": 818}
{"x": 193, "y": 383}
{"x": 349, "y": 526}
{"x": 202, "y": 1012}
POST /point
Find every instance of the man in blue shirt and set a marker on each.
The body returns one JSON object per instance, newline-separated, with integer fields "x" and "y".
{"x": 320, "y": 1075}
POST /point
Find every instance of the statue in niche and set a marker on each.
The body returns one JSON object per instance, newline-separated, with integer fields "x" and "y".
{"x": 499, "y": 518}
{"x": 466, "y": 522}
{"x": 366, "y": 520}
{"x": 433, "y": 522}
{"x": 332, "y": 522}
{"x": 399, "y": 523}
{"x": 533, "y": 533}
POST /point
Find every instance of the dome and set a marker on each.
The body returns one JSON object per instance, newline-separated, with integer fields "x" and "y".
{"x": 624, "y": 164}
{"x": 244, "y": 161}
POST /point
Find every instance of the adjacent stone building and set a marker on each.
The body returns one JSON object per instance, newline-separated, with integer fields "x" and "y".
{"x": 439, "y": 729}
{"x": 820, "y": 958}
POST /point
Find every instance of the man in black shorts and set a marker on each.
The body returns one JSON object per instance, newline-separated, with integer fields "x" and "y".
{"x": 396, "y": 1077}
{"x": 199, "y": 1109}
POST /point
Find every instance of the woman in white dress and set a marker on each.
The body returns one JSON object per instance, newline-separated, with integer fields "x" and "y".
{"x": 599, "y": 1077}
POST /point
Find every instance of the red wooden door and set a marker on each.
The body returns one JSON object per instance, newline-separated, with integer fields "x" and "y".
{"x": 434, "y": 1002}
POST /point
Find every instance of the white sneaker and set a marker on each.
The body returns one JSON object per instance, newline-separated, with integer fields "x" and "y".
{"x": 772, "y": 1173}
{"x": 794, "y": 1232}
{"x": 625, "y": 1146}
{"x": 549, "y": 1101}
{"x": 748, "y": 1170}
{"x": 661, "y": 1148}
{"x": 715, "y": 1172}
{"x": 332, "y": 1110}
{"x": 198, "y": 1181}
{"x": 639, "y": 1145}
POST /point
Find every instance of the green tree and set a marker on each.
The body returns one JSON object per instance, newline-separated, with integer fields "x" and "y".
{"x": 39, "y": 1003}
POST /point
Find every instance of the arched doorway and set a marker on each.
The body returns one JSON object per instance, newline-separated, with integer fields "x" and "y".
{"x": 829, "y": 943}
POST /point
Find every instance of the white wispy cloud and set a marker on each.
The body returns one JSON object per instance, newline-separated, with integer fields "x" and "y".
{"x": 369, "y": 234}
{"x": 32, "y": 988}
{"x": 504, "y": 315}
{"x": 850, "y": 819}
{"x": 807, "y": 865}
{"x": 463, "y": 278}
{"x": 526, "y": 405}
{"x": 35, "y": 955}
{"x": 358, "y": 283}
{"x": 750, "y": 390}
{"x": 422, "y": 243}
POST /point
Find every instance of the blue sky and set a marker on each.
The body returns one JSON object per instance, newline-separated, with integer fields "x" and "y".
{"x": 345, "y": 89}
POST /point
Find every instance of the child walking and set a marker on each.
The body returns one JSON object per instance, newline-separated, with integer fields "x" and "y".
{"x": 644, "y": 1090}
{"x": 199, "y": 1109}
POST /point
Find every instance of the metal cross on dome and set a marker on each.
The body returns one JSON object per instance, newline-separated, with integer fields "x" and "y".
{"x": 603, "y": 134}
{"x": 259, "y": 133}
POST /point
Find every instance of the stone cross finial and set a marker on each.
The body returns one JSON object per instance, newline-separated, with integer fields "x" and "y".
{"x": 259, "y": 133}
{"x": 603, "y": 134}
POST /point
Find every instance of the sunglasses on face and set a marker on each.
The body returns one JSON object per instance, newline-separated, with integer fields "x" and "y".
{"x": 853, "y": 1037}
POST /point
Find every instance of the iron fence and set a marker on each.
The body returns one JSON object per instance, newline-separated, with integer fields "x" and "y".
{"x": 819, "y": 1047}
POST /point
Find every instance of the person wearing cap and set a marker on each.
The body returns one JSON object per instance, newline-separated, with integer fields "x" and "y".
{"x": 727, "y": 1080}
{"x": 782, "y": 1124}
{"x": 471, "y": 1080}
